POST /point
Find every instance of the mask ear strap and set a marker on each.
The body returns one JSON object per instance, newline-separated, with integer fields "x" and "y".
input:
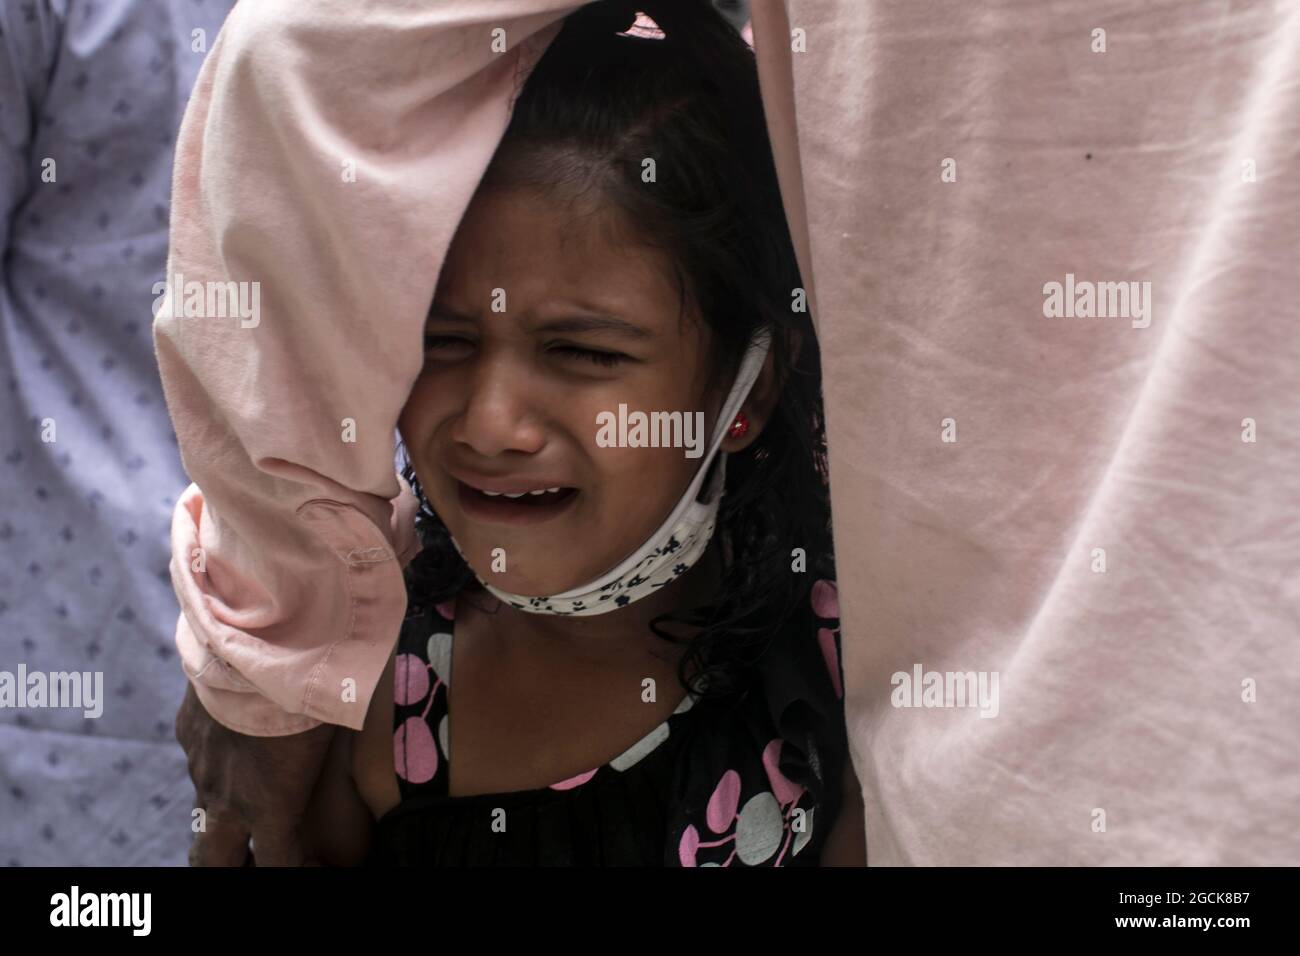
{"x": 715, "y": 479}
{"x": 751, "y": 367}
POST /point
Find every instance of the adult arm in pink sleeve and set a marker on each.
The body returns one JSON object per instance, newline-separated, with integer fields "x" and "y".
{"x": 325, "y": 159}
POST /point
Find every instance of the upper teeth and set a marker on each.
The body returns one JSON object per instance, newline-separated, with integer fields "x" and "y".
{"x": 539, "y": 491}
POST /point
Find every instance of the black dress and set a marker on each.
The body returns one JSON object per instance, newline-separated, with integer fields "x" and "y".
{"x": 749, "y": 780}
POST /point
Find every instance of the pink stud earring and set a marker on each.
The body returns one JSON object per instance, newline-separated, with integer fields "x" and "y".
{"x": 739, "y": 427}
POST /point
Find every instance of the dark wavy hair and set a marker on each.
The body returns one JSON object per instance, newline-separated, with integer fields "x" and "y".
{"x": 594, "y": 107}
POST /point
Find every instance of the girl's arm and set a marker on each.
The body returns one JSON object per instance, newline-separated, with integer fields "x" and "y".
{"x": 338, "y": 825}
{"x": 358, "y": 785}
{"x": 847, "y": 843}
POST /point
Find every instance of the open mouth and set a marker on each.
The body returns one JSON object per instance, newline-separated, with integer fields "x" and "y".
{"x": 526, "y": 507}
{"x": 540, "y": 496}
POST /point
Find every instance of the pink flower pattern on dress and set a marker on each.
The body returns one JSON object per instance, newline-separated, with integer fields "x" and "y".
{"x": 753, "y": 831}
{"x": 826, "y": 604}
{"x": 725, "y": 817}
{"x": 415, "y": 755}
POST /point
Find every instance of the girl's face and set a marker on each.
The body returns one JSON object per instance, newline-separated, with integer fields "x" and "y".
{"x": 540, "y": 324}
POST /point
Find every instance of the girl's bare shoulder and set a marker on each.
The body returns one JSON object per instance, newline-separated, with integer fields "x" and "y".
{"x": 371, "y": 764}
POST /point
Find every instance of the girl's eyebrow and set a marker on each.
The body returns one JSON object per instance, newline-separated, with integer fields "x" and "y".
{"x": 574, "y": 323}
{"x": 443, "y": 314}
{"x": 596, "y": 323}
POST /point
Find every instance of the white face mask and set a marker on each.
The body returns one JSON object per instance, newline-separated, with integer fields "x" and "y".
{"x": 681, "y": 539}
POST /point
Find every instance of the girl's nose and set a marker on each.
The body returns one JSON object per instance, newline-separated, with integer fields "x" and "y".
{"x": 498, "y": 416}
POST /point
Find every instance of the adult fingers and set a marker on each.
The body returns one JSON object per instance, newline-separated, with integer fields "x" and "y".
{"x": 277, "y": 846}
{"x": 221, "y": 843}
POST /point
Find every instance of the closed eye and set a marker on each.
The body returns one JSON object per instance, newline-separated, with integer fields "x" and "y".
{"x": 607, "y": 359}
{"x": 439, "y": 343}
{"x": 435, "y": 342}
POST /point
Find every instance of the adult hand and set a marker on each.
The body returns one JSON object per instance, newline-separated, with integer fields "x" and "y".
{"x": 256, "y": 787}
